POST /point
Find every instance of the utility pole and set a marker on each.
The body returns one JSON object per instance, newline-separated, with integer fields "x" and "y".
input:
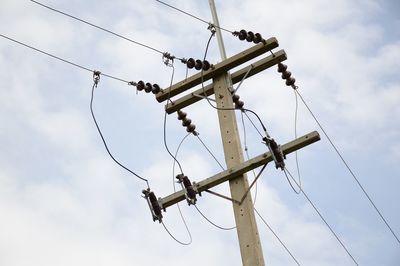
{"x": 249, "y": 240}
{"x": 246, "y": 225}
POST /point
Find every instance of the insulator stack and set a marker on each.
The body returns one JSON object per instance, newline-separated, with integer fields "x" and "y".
{"x": 287, "y": 75}
{"x": 186, "y": 122}
{"x": 198, "y": 64}
{"x": 148, "y": 87}
{"x": 238, "y": 103}
{"x": 277, "y": 152}
{"x": 190, "y": 194}
{"x": 155, "y": 207}
{"x": 249, "y": 36}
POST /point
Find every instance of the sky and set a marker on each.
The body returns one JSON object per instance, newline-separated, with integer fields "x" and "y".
{"x": 63, "y": 201}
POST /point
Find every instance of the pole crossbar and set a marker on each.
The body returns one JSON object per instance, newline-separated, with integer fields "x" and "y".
{"x": 218, "y": 69}
{"x": 237, "y": 76}
{"x": 240, "y": 169}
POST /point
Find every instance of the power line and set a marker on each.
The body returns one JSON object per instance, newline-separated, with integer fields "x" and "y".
{"x": 61, "y": 59}
{"x": 326, "y": 223}
{"x": 96, "y": 77}
{"x": 276, "y": 236}
{"x": 102, "y": 28}
{"x": 348, "y": 167}
{"x": 193, "y": 16}
{"x": 209, "y": 151}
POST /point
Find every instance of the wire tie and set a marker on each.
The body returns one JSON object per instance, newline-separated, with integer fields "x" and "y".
{"x": 96, "y": 77}
{"x": 211, "y": 27}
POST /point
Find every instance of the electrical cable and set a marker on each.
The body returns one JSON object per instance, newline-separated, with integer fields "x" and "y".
{"x": 348, "y": 168}
{"x": 165, "y": 120}
{"x": 193, "y": 16}
{"x": 174, "y": 238}
{"x": 209, "y": 151}
{"x": 326, "y": 223}
{"x": 60, "y": 59}
{"x": 286, "y": 171}
{"x": 276, "y": 236}
{"x": 173, "y": 183}
{"x": 96, "y": 80}
{"x": 100, "y": 28}
{"x": 211, "y": 222}
{"x": 295, "y": 136}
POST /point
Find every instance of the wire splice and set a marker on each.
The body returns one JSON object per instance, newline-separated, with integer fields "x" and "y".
{"x": 187, "y": 186}
{"x": 154, "y": 205}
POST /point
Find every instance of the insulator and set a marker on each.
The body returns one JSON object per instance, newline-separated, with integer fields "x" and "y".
{"x": 191, "y": 128}
{"x": 156, "y": 89}
{"x": 250, "y": 36}
{"x": 281, "y": 67}
{"x": 242, "y": 35}
{"x": 198, "y": 65}
{"x": 186, "y": 122}
{"x": 257, "y": 38}
{"x": 290, "y": 81}
{"x": 206, "y": 65}
{"x": 273, "y": 144}
{"x": 190, "y": 63}
{"x": 148, "y": 88}
{"x": 239, "y": 104}
{"x": 286, "y": 74}
{"x": 235, "y": 98}
{"x": 140, "y": 85}
{"x": 154, "y": 204}
{"x": 181, "y": 115}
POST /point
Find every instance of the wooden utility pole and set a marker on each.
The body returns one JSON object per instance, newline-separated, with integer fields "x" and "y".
{"x": 249, "y": 240}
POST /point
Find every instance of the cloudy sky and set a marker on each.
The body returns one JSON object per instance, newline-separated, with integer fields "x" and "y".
{"x": 63, "y": 201}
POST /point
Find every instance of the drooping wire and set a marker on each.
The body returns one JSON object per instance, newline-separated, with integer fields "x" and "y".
{"x": 277, "y": 237}
{"x": 295, "y": 136}
{"x": 324, "y": 220}
{"x": 191, "y": 15}
{"x": 287, "y": 174}
{"x": 212, "y": 223}
{"x": 165, "y": 120}
{"x": 100, "y": 28}
{"x": 173, "y": 237}
{"x": 95, "y": 83}
{"x": 60, "y": 59}
{"x": 173, "y": 183}
{"x": 348, "y": 167}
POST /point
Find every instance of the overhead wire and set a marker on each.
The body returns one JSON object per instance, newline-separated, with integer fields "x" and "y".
{"x": 96, "y": 80}
{"x": 325, "y": 222}
{"x": 348, "y": 167}
{"x": 276, "y": 236}
{"x": 210, "y": 152}
{"x": 193, "y": 16}
{"x": 101, "y": 28}
{"x": 61, "y": 59}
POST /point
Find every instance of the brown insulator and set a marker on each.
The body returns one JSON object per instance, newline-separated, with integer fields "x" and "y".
{"x": 181, "y": 115}
{"x": 290, "y": 81}
{"x": 281, "y": 67}
{"x": 206, "y": 65}
{"x": 190, "y": 63}
{"x": 148, "y": 88}
{"x": 140, "y": 85}
{"x": 191, "y": 128}
{"x": 186, "y": 122}
{"x": 239, "y": 104}
{"x": 154, "y": 204}
{"x": 286, "y": 74}
{"x": 250, "y": 36}
{"x": 156, "y": 89}
{"x": 198, "y": 65}
{"x": 242, "y": 35}
{"x": 235, "y": 98}
{"x": 257, "y": 38}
